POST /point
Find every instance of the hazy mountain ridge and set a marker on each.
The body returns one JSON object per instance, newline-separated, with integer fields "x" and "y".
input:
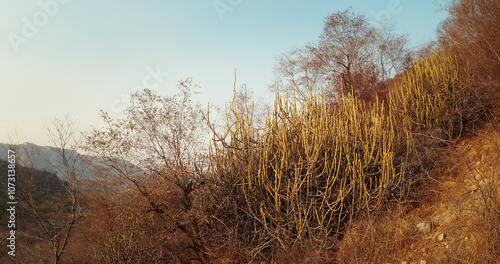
{"x": 43, "y": 158}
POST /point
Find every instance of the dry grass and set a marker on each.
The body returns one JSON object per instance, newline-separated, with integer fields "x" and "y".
{"x": 462, "y": 202}
{"x": 377, "y": 238}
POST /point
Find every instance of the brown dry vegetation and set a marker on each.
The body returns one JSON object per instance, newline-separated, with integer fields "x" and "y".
{"x": 316, "y": 180}
{"x": 460, "y": 200}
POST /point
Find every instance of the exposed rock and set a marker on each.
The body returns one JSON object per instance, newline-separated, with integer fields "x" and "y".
{"x": 423, "y": 262}
{"x": 424, "y": 227}
{"x": 441, "y": 237}
{"x": 445, "y": 217}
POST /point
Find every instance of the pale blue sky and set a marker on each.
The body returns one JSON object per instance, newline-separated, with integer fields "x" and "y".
{"x": 80, "y": 56}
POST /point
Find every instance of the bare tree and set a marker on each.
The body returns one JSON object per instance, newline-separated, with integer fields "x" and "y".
{"x": 350, "y": 56}
{"x": 55, "y": 227}
{"x": 390, "y": 53}
{"x": 157, "y": 150}
{"x": 471, "y": 31}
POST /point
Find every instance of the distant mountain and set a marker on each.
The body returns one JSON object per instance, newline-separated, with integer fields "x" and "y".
{"x": 48, "y": 193}
{"x": 41, "y": 158}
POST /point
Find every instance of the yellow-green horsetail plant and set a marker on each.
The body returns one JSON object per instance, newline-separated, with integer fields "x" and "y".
{"x": 311, "y": 168}
{"x": 430, "y": 93}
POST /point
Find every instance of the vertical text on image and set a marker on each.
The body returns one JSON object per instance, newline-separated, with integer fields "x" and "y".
{"x": 11, "y": 203}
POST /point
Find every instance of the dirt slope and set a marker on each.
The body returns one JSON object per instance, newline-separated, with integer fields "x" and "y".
{"x": 455, "y": 220}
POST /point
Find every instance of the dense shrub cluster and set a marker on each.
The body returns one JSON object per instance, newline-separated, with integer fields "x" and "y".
{"x": 315, "y": 165}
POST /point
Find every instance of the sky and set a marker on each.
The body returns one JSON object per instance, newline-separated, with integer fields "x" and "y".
{"x": 78, "y": 57}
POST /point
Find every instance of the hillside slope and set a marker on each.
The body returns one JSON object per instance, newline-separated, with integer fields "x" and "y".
{"x": 455, "y": 218}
